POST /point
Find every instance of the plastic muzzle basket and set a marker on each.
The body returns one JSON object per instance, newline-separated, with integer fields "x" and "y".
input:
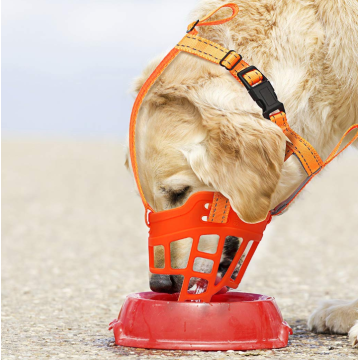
{"x": 190, "y": 221}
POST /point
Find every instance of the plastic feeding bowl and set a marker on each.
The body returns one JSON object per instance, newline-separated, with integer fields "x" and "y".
{"x": 232, "y": 321}
{"x": 202, "y": 315}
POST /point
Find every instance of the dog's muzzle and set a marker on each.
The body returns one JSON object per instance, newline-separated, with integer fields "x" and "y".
{"x": 192, "y": 220}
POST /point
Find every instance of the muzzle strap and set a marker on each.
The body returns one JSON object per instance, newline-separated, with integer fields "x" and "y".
{"x": 203, "y": 21}
{"x": 220, "y": 208}
{"x": 234, "y": 62}
{"x": 211, "y": 51}
{"x": 306, "y": 154}
{"x": 259, "y": 88}
{"x": 279, "y": 209}
{"x": 132, "y": 130}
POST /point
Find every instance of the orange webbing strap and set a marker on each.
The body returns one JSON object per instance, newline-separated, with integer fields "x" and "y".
{"x": 336, "y": 151}
{"x": 219, "y": 209}
{"x": 211, "y": 51}
{"x": 203, "y": 21}
{"x": 288, "y": 151}
{"x": 140, "y": 97}
{"x": 283, "y": 205}
{"x": 307, "y": 155}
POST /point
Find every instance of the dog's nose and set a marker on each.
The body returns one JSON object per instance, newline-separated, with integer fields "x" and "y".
{"x": 161, "y": 283}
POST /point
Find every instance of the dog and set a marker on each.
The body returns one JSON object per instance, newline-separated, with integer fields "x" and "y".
{"x": 198, "y": 130}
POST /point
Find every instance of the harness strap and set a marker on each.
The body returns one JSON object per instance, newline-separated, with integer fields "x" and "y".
{"x": 307, "y": 155}
{"x": 284, "y": 204}
{"x": 132, "y": 129}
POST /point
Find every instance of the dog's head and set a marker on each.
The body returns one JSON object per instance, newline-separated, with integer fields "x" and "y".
{"x": 199, "y": 130}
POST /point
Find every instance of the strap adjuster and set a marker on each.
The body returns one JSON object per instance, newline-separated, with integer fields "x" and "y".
{"x": 193, "y": 27}
{"x": 228, "y": 53}
{"x": 263, "y": 93}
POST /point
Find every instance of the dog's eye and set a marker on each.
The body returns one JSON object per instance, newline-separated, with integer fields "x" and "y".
{"x": 179, "y": 195}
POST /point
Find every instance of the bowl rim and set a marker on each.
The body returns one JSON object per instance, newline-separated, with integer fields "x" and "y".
{"x": 258, "y": 298}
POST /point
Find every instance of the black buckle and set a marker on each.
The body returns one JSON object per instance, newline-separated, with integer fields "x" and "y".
{"x": 229, "y": 52}
{"x": 193, "y": 27}
{"x": 263, "y": 94}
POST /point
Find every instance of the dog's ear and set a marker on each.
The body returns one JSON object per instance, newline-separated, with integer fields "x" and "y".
{"x": 241, "y": 157}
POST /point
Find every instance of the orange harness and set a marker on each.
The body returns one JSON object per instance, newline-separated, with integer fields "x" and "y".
{"x": 171, "y": 225}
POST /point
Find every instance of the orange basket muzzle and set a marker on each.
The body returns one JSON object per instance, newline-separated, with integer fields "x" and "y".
{"x": 191, "y": 221}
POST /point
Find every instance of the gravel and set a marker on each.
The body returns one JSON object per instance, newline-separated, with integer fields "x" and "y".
{"x": 74, "y": 245}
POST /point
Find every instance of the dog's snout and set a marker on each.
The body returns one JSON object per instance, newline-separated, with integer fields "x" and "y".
{"x": 161, "y": 283}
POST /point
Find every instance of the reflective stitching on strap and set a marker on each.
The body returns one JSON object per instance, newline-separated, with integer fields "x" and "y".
{"x": 279, "y": 209}
{"x": 220, "y": 209}
{"x": 308, "y": 156}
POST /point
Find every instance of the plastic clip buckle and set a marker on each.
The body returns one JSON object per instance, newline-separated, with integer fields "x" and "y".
{"x": 263, "y": 94}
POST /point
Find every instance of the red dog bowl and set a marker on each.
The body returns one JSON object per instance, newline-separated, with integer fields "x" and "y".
{"x": 231, "y": 321}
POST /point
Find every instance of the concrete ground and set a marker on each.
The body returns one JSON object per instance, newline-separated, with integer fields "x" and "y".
{"x": 74, "y": 245}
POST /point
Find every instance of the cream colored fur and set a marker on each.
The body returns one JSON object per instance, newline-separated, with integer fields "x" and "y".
{"x": 337, "y": 317}
{"x": 199, "y": 129}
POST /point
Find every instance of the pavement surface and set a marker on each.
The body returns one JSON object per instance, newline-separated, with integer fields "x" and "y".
{"x": 74, "y": 245}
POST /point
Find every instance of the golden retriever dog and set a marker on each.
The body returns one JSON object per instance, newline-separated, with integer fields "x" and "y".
{"x": 199, "y": 130}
